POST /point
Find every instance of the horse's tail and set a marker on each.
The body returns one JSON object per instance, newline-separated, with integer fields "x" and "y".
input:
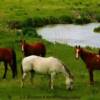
{"x": 43, "y": 50}
{"x": 14, "y": 63}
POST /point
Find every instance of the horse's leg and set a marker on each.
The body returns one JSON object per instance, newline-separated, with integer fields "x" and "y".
{"x": 49, "y": 76}
{"x": 32, "y": 75}
{"x": 52, "y": 79}
{"x": 22, "y": 82}
{"x": 91, "y": 76}
{"x": 12, "y": 69}
{"x": 5, "y": 64}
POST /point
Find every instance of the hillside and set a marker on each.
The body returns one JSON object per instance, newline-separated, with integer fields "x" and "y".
{"x": 50, "y": 11}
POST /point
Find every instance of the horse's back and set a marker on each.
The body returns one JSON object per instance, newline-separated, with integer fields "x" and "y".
{"x": 51, "y": 64}
{"x": 28, "y": 59}
{"x": 41, "y": 64}
{"x": 38, "y": 49}
{"x": 27, "y": 63}
{"x": 5, "y": 53}
{"x": 56, "y": 64}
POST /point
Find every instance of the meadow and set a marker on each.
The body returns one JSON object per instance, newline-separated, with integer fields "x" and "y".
{"x": 10, "y": 89}
{"x": 50, "y": 11}
{"x": 39, "y": 13}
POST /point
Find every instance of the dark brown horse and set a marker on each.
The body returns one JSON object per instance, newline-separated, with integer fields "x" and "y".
{"x": 99, "y": 51}
{"x": 8, "y": 56}
{"x": 38, "y": 48}
{"x": 92, "y": 61}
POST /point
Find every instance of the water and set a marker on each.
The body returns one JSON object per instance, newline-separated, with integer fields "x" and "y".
{"x": 71, "y": 34}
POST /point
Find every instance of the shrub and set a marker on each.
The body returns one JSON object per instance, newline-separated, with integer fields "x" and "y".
{"x": 28, "y": 23}
{"x": 14, "y": 24}
{"x": 30, "y": 32}
{"x": 65, "y": 19}
{"x": 82, "y": 20}
{"x": 97, "y": 29}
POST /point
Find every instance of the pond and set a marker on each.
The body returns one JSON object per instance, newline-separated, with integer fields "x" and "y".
{"x": 71, "y": 34}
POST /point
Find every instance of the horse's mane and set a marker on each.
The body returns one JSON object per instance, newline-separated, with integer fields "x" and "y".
{"x": 27, "y": 45}
{"x": 68, "y": 71}
{"x": 88, "y": 52}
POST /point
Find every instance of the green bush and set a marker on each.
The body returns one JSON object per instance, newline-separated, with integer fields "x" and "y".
{"x": 30, "y": 32}
{"x": 82, "y": 20}
{"x": 97, "y": 29}
{"x": 29, "y": 22}
{"x": 65, "y": 19}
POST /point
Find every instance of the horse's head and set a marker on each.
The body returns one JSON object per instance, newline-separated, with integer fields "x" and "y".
{"x": 77, "y": 51}
{"x": 22, "y": 42}
{"x": 69, "y": 82}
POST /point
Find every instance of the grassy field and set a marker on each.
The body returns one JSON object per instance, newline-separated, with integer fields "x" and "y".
{"x": 10, "y": 89}
{"x": 50, "y": 11}
{"x": 47, "y": 12}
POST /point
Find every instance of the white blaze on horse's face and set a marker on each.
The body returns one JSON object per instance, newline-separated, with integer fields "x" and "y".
{"x": 22, "y": 48}
{"x": 77, "y": 53}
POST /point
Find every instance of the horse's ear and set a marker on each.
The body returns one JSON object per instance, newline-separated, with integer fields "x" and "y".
{"x": 20, "y": 41}
{"x": 76, "y": 46}
{"x": 79, "y": 46}
{"x": 24, "y": 41}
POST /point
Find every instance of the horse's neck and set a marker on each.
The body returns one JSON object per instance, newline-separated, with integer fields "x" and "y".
{"x": 26, "y": 45}
{"x": 85, "y": 55}
{"x": 67, "y": 71}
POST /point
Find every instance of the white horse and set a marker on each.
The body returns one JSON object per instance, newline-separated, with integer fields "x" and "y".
{"x": 47, "y": 65}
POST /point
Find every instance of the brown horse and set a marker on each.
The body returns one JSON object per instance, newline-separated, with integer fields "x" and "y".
{"x": 92, "y": 61}
{"x": 99, "y": 51}
{"x": 38, "y": 48}
{"x": 8, "y": 56}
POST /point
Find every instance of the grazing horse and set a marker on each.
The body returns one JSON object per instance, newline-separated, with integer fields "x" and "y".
{"x": 8, "y": 56}
{"x": 38, "y": 48}
{"x": 92, "y": 61}
{"x": 48, "y": 65}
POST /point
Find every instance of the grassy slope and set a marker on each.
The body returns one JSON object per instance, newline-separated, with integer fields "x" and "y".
{"x": 10, "y": 89}
{"x": 23, "y": 9}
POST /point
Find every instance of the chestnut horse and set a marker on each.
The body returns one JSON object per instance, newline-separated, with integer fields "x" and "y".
{"x": 8, "y": 56}
{"x": 92, "y": 61}
{"x": 38, "y": 48}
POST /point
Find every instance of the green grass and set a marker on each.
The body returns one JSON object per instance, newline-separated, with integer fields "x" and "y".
{"x": 10, "y": 89}
{"x": 52, "y": 11}
{"x": 45, "y": 12}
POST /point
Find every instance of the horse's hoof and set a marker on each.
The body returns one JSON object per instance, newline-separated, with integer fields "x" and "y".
{"x": 21, "y": 86}
{"x": 52, "y": 88}
{"x": 69, "y": 89}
